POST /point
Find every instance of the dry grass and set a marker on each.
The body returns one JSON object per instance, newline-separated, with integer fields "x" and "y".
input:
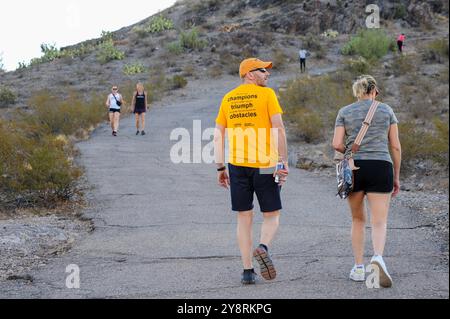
{"x": 311, "y": 104}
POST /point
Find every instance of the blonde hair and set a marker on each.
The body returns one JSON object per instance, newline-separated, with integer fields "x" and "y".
{"x": 140, "y": 86}
{"x": 364, "y": 85}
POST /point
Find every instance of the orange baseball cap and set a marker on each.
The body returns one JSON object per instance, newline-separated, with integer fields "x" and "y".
{"x": 251, "y": 64}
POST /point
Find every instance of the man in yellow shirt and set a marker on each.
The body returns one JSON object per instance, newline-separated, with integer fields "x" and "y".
{"x": 252, "y": 117}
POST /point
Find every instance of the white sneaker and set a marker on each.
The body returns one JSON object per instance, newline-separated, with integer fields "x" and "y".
{"x": 385, "y": 278}
{"x": 358, "y": 274}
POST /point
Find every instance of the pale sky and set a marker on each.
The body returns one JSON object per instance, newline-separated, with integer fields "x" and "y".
{"x": 25, "y": 25}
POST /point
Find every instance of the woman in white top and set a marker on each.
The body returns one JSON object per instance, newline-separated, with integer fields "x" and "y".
{"x": 114, "y": 101}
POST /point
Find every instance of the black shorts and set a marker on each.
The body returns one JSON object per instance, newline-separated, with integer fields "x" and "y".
{"x": 373, "y": 176}
{"x": 114, "y": 110}
{"x": 139, "y": 111}
{"x": 244, "y": 181}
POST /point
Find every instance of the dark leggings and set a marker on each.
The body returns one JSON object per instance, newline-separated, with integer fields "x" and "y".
{"x": 400, "y": 46}
{"x": 302, "y": 64}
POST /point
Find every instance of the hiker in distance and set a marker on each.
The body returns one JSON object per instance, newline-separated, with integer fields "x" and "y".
{"x": 303, "y": 54}
{"x": 114, "y": 102}
{"x": 140, "y": 106}
{"x": 378, "y": 174}
{"x": 248, "y": 110}
{"x": 400, "y": 42}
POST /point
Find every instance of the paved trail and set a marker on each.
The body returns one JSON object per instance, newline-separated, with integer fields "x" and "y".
{"x": 166, "y": 230}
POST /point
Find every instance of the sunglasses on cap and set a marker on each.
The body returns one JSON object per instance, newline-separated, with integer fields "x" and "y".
{"x": 260, "y": 70}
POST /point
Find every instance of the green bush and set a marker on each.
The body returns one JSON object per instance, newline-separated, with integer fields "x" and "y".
{"x": 134, "y": 68}
{"x": 106, "y": 36}
{"x": 311, "y": 104}
{"x": 78, "y": 51}
{"x": 191, "y": 40}
{"x": 156, "y": 25}
{"x": 186, "y": 42}
{"x": 175, "y": 48}
{"x": 372, "y": 44}
{"x": 108, "y": 52}
{"x": 7, "y": 97}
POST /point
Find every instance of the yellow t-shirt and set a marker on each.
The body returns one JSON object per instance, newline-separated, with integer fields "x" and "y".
{"x": 246, "y": 112}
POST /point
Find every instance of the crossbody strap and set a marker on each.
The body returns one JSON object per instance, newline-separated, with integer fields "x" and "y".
{"x": 114, "y": 97}
{"x": 365, "y": 127}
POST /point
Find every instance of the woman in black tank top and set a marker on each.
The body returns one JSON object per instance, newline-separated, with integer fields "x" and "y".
{"x": 139, "y": 108}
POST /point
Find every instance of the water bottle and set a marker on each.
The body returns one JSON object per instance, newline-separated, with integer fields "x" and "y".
{"x": 280, "y": 165}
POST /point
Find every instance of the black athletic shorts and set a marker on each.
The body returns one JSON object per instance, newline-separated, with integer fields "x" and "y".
{"x": 139, "y": 111}
{"x": 244, "y": 181}
{"x": 114, "y": 110}
{"x": 373, "y": 176}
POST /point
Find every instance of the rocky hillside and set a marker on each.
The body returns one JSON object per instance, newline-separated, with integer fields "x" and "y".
{"x": 227, "y": 31}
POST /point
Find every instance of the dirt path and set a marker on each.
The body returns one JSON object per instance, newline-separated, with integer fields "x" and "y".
{"x": 166, "y": 230}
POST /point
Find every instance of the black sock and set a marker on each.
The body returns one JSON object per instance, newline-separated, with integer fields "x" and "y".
{"x": 249, "y": 270}
{"x": 264, "y": 246}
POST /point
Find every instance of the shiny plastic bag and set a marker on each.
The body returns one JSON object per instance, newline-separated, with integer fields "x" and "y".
{"x": 344, "y": 174}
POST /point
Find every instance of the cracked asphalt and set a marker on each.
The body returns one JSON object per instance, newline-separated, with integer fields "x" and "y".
{"x": 165, "y": 230}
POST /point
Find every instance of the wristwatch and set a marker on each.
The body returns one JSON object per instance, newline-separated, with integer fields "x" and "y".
{"x": 221, "y": 169}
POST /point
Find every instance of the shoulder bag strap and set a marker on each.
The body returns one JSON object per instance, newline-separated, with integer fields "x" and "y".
{"x": 365, "y": 127}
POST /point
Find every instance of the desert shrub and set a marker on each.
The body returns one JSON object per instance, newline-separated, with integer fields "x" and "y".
{"x": 156, "y": 85}
{"x": 357, "y": 66}
{"x": 7, "y": 97}
{"x": 372, "y": 44}
{"x": 49, "y": 53}
{"x": 133, "y": 68}
{"x": 68, "y": 116}
{"x": 106, "y": 36}
{"x": 215, "y": 71}
{"x": 330, "y": 33}
{"x": 175, "y": 48}
{"x": 433, "y": 145}
{"x": 400, "y": 11}
{"x": 156, "y": 25}
{"x": 189, "y": 70}
{"x": 37, "y": 157}
{"x": 79, "y": 51}
{"x": 206, "y": 7}
{"x": 436, "y": 51}
{"x": 36, "y": 168}
{"x": 191, "y": 40}
{"x": 177, "y": 82}
{"x": 107, "y": 52}
{"x": 308, "y": 125}
{"x": 312, "y": 42}
{"x": 188, "y": 41}
{"x": 315, "y": 101}
{"x": 229, "y": 62}
{"x": 404, "y": 64}
{"x": 280, "y": 58}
